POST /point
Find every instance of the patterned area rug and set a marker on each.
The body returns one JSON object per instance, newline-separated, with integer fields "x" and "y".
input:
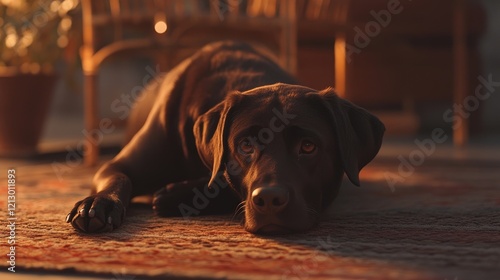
{"x": 440, "y": 222}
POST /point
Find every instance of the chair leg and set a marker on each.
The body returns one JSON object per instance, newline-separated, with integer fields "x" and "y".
{"x": 91, "y": 152}
{"x": 461, "y": 133}
{"x": 340, "y": 64}
{"x": 289, "y": 36}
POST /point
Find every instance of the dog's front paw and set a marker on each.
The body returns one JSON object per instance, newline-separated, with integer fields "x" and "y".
{"x": 97, "y": 213}
{"x": 167, "y": 201}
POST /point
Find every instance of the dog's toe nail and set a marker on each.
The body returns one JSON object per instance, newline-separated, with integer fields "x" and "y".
{"x": 91, "y": 213}
{"x": 110, "y": 220}
{"x": 67, "y": 217}
{"x": 82, "y": 212}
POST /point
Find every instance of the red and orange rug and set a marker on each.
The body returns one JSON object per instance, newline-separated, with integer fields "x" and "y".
{"x": 440, "y": 222}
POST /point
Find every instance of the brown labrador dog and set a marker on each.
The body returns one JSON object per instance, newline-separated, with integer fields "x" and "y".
{"x": 230, "y": 128}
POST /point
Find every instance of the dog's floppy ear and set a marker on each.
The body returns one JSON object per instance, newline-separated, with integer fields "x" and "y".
{"x": 210, "y": 131}
{"x": 359, "y": 133}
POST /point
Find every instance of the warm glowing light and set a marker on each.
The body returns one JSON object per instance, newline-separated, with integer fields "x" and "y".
{"x": 67, "y": 5}
{"x": 11, "y": 40}
{"x": 13, "y": 4}
{"x": 27, "y": 39}
{"x": 65, "y": 23}
{"x": 54, "y": 6}
{"x": 62, "y": 41}
{"x": 160, "y": 27}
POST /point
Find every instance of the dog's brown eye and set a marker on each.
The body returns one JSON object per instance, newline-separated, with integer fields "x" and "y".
{"x": 246, "y": 147}
{"x": 307, "y": 147}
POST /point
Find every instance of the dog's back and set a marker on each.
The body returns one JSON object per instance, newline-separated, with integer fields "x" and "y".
{"x": 204, "y": 79}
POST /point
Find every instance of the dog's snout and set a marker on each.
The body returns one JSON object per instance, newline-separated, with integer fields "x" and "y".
{"x": 270, "y": 199}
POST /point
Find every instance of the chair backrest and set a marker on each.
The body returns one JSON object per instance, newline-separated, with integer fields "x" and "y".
{"x": 335, "y": 11}
{"x": 113, "y": 25}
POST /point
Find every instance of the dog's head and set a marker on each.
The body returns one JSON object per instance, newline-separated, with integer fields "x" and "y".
{"x": 284, "y": 149}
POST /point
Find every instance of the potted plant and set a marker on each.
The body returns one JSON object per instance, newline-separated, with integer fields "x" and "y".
{"x": 33, "y": 36}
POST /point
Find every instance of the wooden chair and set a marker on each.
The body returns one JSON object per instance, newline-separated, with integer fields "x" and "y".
{"x": 334, "y": 14}
{"x": 341, "y": 20}
{"x": 116, "y": 26}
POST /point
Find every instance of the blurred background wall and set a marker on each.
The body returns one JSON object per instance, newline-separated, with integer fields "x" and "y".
{"x": 377, "y": 70}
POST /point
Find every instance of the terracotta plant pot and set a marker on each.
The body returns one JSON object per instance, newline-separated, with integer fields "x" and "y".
{"x": 24, "y": 103}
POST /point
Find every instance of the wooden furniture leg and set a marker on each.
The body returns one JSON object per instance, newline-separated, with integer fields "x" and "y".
{"x": 91, "y": 152}
{"x": 461, "y": 133}
{"x": 339, "y": 49}
{"x": 340, "y": 63}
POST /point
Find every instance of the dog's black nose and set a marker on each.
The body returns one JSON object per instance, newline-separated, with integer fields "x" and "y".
{"x": 269, "y": 199}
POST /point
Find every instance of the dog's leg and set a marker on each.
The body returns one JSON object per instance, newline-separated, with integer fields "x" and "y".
{"x": 150, "y": 160}
{"x": 193, "y": 198}
{"x": 140, "y": 168}
{"x": 104, "y": 210}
